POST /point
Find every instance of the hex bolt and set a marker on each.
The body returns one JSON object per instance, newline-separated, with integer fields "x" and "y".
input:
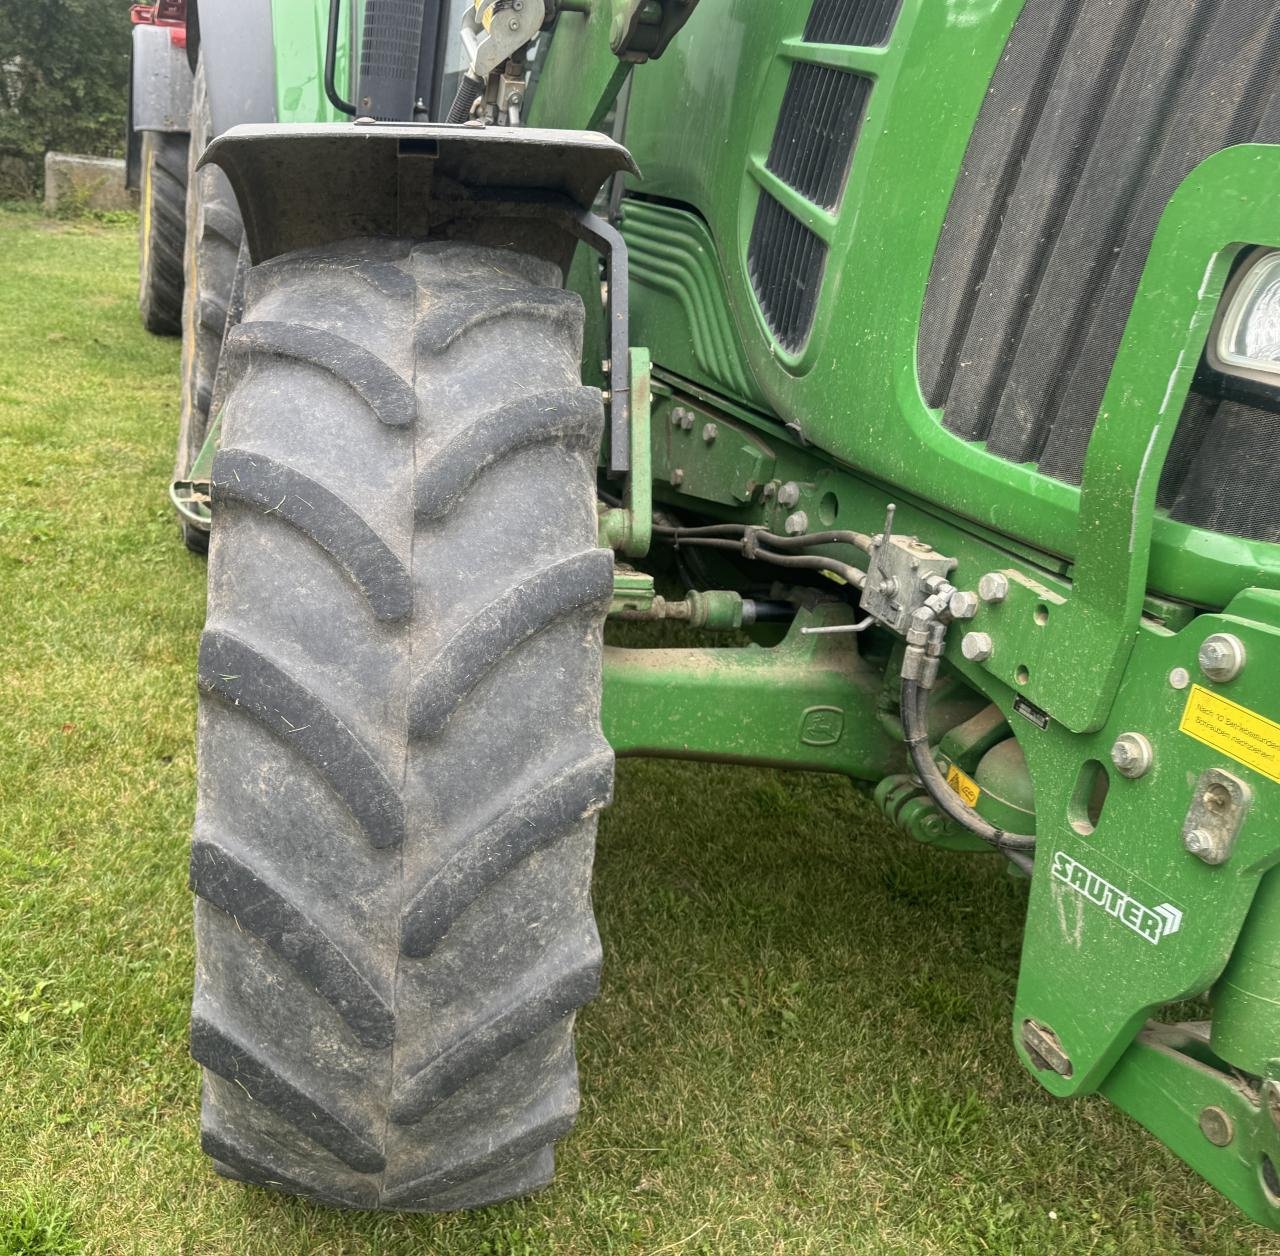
{"x": 1201, "y": 844}
{"x": 1132, "y": 755}
{"x": 710, "y": 432}
{"x": 686, "y": 420}
{"x": 1217, "y": 1126}
{"x": 677, "y": 412}
{"x": 677, "y": 477}
{"x": 993, "y": 587}
{"x": 770, "y": 490}
{"x": 1222, "y": 656}
{"x": 963, "y": 604}
{"x": 977, "y": 647}
{"x": 789, "y": 494}
{"x": 796, "y": 524}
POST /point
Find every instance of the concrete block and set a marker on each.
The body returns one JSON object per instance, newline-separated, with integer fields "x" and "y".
{"x": 73, "y": 184}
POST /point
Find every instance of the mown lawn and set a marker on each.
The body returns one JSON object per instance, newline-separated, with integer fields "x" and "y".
{"x": 802, "y": 1044}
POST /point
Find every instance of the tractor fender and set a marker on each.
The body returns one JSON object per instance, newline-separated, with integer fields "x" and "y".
{"x": 234, "y": 40}
{"x": 159, "y": 90}
{"x": 302, "y": 185}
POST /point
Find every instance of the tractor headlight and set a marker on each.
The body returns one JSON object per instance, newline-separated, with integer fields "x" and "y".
{"x": 1247, "y": 342}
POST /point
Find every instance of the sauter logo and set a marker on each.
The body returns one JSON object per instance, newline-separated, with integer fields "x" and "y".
{"x": 1152, "y": 923}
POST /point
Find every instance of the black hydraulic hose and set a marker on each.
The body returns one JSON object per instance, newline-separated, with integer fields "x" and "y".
{"x": 915, "y": 730}
{"x": 470, "y": 89}
{"x": 331, "y": 62}
{"x": 761, "y": 553}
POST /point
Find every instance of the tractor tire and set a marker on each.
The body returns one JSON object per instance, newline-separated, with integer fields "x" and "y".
{"x": 162, "y": 230}
{"x": 400, "y": 755}
{"x": 213, "y": 238}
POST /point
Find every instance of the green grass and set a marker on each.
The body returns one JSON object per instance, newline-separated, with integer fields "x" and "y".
{"x": 802, "y": 1044}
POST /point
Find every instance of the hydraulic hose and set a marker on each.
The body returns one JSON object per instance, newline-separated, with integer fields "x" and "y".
{"x": 331, "y": 61}
{"x": 470, "y": 89}
{"x": 915, "y": 728}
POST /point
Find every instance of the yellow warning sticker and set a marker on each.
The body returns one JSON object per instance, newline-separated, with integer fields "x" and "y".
{"x": 964, "y": 785}
{"x": 1243, "y": 735}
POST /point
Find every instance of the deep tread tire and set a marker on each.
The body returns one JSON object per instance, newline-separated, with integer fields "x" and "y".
{"x": 213, "y": 233}
{"x": 162, "y": 231}
{"x": 400, "y": 756}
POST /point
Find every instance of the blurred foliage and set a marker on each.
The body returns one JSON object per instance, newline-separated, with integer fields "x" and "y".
{"x": 64, "y": 71}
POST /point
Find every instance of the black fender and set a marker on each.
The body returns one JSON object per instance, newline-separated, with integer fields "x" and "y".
{"x": 235, "y": 40}
{"x": 304, "y": 185}
{"x": 159, "y": 91}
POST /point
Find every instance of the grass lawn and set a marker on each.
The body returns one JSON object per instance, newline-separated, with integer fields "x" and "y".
{"x": 802, "y": 1044}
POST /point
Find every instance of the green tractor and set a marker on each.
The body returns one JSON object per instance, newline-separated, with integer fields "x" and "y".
{"x": 928, "y": 353}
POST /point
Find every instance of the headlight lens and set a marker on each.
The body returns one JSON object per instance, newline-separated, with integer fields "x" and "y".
{"x": 1249, "y": 334}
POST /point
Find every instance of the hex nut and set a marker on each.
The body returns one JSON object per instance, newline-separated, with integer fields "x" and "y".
{"x": 789, "y": 494}
{"x": 1222, "y": 656}
{"x": 796, "y": 524}
{"x": 710, "y": 432}
{"x": 677, "y": 477}
{"x": 1132, "y": 755}
{"x": 963, "y": 604}
{"x": 686, "y": 420}
{"x": 993, "y": 587}
{"x": 977, "y": 647}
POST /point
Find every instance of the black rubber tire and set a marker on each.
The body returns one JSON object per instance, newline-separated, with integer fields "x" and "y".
{"x": 162, "y": 230}
{"x": 212, "y": 244}
{"x": 400, "y": 756}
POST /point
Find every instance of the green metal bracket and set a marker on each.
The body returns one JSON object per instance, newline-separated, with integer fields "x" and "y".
{"x": 1224, "y": 205}
{"x": 578, "y": 85}
{"x": 1208, "y": 1115}
{"x": 800, "y": 704}
{"x": 630, "y": 529}
{"x": 642, "y": 29}
{"x": 1125, "y": 916}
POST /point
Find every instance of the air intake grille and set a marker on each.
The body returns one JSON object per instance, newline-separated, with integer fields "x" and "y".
{"x": 785, "y": 260}
{"x": 812, "y": 150}
{"x": 1096, "y": 113}
{"x": 862, "y": 25}
{"x": 817, "y": 129}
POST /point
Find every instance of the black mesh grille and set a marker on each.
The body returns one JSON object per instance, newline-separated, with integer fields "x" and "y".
{"x": 861, "y": 23}
{"x": 1097, "y": 111}
{"x": 817, "y": 129}
{"x": 785, "y": 260}
{"x": 389, "y": 51}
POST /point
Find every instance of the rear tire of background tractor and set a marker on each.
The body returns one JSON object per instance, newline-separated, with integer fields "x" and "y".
{"x": 213, "y": 237}
{"x": 162, "y": 231}
{"x": 400, "y": 755}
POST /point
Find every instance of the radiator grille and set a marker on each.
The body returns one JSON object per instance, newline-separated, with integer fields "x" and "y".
{"x": 1096, "y": 113}
{"x": 864, "y": 24}
{"x": 817, "y": 130}
{"x": 785, "y": 260}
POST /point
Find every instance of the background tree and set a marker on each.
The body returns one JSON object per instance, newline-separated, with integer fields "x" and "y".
{"x": 64, "y": 67}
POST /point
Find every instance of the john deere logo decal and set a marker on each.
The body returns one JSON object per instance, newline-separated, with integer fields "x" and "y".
{"x": 1152, "y": 923}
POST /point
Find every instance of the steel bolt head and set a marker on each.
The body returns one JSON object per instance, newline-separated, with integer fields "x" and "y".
{"x": 993, "y": 587}
{"x": 977, "y": 647}
{"x": 1132, "y": 755}
{"x": 1222, "y": 656}
{"x": 789, "y": 494}
{"x": 796, "y": 524}
{"x": 686, "y": 420}
{"x": 677, "y": 477}
{"x": 963, "y": 604}
{"x": 1201, "y": 844}
{"x": 1217, "y": 1126}
{"x": 1179, "y": 678}
{"x": 710, "y": 432}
